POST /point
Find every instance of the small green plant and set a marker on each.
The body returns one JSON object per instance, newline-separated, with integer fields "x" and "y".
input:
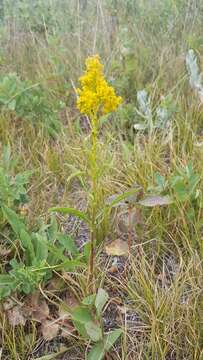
{"x": 195, "y": 75}
{"x": 87, "y": 319}
{"x": 29, "y": 101}
{"x": 181, "y": 185}
{"x": 158, "y": 118}
{"x": 13, "y": 192}
{"x": 42, "y": 253}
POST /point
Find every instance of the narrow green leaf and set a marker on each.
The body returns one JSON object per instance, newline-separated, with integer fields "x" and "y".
{"x": 68, "y": 242}
{"x": 52, "y": 229}
{"x": 86, "y": 251}
{"x": 26, "y": 241}
{"x": 52, "y": 356}
{"x": 71, "y": 211}
{"x": 101, "y": 299}
{"x": 40, "y": 246}
{"x": 127, "y": 195}
{"x": 70, "y": 265}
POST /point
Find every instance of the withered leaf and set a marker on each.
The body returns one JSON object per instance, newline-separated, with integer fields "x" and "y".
{"x": 49, "y": 329}
{"x": 15, "y": 316}
{"x": 117, "y": 247}
{"x": 155, "y": 200}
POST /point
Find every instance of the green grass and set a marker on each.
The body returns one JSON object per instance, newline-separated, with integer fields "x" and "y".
{"x": 156, "y": 292}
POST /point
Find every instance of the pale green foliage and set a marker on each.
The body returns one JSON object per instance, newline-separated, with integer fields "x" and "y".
{"x": 28, "y": 101}
{"x": 195, "y": 76}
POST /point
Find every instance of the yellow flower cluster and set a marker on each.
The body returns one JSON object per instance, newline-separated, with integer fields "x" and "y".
{"x": 96, "y": 96}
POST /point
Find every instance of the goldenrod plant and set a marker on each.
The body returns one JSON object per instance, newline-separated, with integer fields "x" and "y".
{"x": 95, "y": 99}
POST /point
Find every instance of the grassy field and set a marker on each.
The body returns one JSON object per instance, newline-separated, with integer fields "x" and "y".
{"x": 101, "y": 226}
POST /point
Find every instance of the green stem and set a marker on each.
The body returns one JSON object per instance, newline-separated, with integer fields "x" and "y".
{"x": 94, "y": 178}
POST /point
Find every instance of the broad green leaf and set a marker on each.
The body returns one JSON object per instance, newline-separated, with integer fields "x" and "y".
{"x": 13, "y": 219}
{"x": 94, "y": 331}
{"x": 82, "y": 315}
{"x": 5, "y": 291}
{"x": 68, "y": 242}
{"x": 12, "y": 105}
{"x": 6, "y": 284}
{"x": 80, "y": 328}
{"x": 5, "y": 279}
{"x": 71, "y": 211}
{"x": 97, "y": 352}
{"x": 89, "y": 300}
{"x": 101, "y": 299}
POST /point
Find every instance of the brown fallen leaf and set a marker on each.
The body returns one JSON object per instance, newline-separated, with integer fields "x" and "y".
{"x": 67, "y": 328}
{"x": 49, "y": 329}
{"x": 117, "y": 247}
{"x": 55, "y": 284}
{"x": 124, "y": 218}
{"x": 70, "y": 301}
{"x": 15, "y": 316}
{"x": 8, "y": 304}
{"x": 36, "y": 308}
{"x": 113, "y": 269}
{"x": 41, "y": 312}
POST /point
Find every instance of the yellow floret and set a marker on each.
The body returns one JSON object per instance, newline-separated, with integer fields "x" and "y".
{"x": 95, "y": 95}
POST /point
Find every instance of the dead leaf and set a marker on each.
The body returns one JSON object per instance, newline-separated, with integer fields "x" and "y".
{"x": 70, "y": 301}
{"x": 113, "y": 269}
{"x": 67, "y": 328}
{"x": 41, "y": 312}
{"x": 155, "y": 200}
{"x": 49, "y": 329}
{"x": 55, "y": 284}
{"x": 126, "y": 217}
{"x": 15, "y": 316}
{"x": 36, "y": 308}
{"x": 117, "y": 247}
{"x": 8, "y": 304}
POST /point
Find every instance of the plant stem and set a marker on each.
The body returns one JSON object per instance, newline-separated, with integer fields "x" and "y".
{"x": 129, "y": 228}
{"x": 94, "y": 177}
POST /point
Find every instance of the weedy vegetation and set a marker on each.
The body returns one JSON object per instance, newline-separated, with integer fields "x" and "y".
{"x": 101, "y": 200}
